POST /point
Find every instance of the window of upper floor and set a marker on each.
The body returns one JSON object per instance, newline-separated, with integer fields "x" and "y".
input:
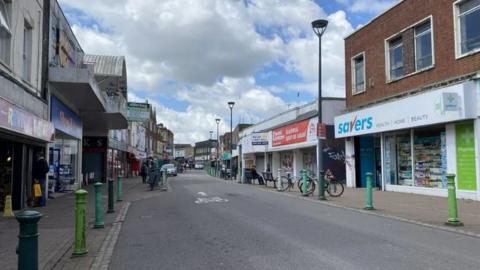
{"x": 27, "y": 51}
{"x": 358, "y": 73}
{"x": 410, "y": 51}
{"x": 467, "y": 30}
{"x": 5, "y": 31}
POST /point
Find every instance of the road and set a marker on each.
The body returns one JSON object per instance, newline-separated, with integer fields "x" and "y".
{"x": 204, "y": 223}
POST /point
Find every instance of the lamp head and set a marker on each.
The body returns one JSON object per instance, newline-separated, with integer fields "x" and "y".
{"x": 230, "y": 104}
{"x": 217, "y": 120}
{"x": 319, "y": 27}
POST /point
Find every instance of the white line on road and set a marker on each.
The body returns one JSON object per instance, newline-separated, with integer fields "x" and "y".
{"x": 201, "y": 193}
{"x": 210, "y": 200}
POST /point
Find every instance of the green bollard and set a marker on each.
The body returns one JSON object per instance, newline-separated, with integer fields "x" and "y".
{"x": 99, "y": 223}
{"x": 119, "y": 189}
{"x": 369, "y": 193}
{"x": 110, "y": 196}
{"x": 27, "y": 248}
{"x": 321, "y": 187}
{"x": 452, "y": 202}
{"x": 80, "y": 247}
{"x": 304, "y": 183}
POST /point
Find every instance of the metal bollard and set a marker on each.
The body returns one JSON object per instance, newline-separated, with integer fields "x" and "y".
{"x": 304, "y": 182}
{"x": 369, "y": 193}
{"x": 279, "y": 180}
{"x": 321, "y": 186}
{"x": 452, "y": 202}
{"x": 80, "y": 247}
{"x": 99, "y": 223}
{"x": 27, "y": 248}
{"x": 110, "y": 196}
{"x": 119, "y": 189}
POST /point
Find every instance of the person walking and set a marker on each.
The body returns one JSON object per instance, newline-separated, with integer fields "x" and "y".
{"x": 39, "y": 175}
{"x": 144, "y": 172}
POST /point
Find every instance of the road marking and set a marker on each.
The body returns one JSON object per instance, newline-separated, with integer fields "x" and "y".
{"x": 202, "y": 194}
{"x": 210, "y": 200}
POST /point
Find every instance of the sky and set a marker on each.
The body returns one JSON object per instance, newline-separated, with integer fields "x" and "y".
{"x": 190, "y": 57}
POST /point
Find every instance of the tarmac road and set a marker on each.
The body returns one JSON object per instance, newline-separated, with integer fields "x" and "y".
{"x": 205, "y": 223}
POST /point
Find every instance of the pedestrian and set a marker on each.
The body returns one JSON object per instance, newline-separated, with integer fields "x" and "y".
{"x": 39, "y": 175}
{"x": 144, "y": 172}
{"x": 255, "y": 175}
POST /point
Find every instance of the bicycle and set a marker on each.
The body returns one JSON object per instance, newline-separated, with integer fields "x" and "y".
{"x": 286, "y": 182}
{"x": 333, "y": 187}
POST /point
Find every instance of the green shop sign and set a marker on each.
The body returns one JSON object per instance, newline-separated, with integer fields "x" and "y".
{"x": 466, "y": 170}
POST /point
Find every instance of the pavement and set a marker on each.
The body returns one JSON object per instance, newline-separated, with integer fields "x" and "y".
{"x": 426, "y": 210}
{"x": 56, "y": 229}
{"x": 207, "y": 223}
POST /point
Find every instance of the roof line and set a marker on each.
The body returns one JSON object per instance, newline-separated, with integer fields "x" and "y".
{"x": 374, "y": 18}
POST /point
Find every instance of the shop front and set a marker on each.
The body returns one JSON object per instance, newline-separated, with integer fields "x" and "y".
{"x": 411, "y": 148}
{"x": 22, "y": 136}
{"x": 64, "y": 153}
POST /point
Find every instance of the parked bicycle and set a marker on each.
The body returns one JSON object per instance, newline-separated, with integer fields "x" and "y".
{"x": 334, "y": 187}
{"x": 286, "y": 182}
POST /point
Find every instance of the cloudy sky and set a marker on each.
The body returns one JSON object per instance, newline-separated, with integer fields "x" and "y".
{"x": 190, "y": 57}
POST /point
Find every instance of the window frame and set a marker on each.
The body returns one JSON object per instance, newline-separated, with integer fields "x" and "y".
{"x": 354, "y": 79}
{"x": 430, "y": 19}
{"x": 457, "y": 32}
{"x": 398, "y": 34}
{"x": 27, "y": 52}
{"x": 8, "y": 9}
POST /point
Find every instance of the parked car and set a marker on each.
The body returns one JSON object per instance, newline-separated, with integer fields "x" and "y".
{"x": 199, "y": 166}
{"x": 170, "y": 168}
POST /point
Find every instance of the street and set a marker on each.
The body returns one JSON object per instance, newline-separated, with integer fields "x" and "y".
{"x": 207, "y": 223}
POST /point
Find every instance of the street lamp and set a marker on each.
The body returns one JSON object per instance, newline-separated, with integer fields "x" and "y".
{"x": 216, "y": 167}
{"x": 319, "y": 27}
{"x": 230, "y": 105}
{"x": 211, "y": 132}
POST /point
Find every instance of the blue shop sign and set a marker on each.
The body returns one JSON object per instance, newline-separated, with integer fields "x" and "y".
{"x": 65, "y": 120}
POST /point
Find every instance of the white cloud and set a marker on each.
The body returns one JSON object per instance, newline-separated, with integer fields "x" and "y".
{"x": 211, "y": 50}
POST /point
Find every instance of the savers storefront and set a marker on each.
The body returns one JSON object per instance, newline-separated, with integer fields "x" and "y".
{"x": 410, "y": 144}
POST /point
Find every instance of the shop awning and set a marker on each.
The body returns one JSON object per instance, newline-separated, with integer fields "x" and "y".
{"x": 79, "y": 87}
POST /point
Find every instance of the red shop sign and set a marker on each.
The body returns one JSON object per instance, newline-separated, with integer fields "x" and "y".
{"x": 294, "y": 133}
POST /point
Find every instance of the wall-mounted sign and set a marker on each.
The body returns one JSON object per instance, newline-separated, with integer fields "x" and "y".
{"x": 453, "y": 103}
{"x": 65, "y": 120}
{"x": 300, "y": 132}
{"x": 138, "y": 112}
{"x": 15, "y": 119}
{"x": 260, "y": 138}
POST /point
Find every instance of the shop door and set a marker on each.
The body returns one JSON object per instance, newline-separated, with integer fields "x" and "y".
{"x": 54, "y": 162}
{"x": 365, "y": 160}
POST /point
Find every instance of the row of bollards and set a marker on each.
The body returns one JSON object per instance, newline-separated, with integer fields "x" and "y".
{"x": 27, "y": 248}
{"x": 452, "y": 199}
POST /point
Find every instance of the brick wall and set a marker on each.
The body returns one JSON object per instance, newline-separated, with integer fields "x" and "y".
{"x": 371, "y": 39}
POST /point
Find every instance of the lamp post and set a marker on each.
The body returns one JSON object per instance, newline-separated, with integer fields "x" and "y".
{"x": 319, "y": 27}
{"x": 211, "y": 132}
{"x": 230, "y": 105}
{"x": 216, "y": 167}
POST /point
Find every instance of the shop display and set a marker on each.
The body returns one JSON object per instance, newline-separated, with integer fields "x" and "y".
{"x": 428, "y": 162}
{"x": 404, "y": 158}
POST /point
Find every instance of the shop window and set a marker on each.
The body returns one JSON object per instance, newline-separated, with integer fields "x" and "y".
{"x": 358, "y": 73}
{"x": 64, "y": 159}
{"x": 430, "y": 158}
{"x": 5, "y": 31}
{"x": 396, "y": 58}
{"x": 423, "y": 46}
{"x": 404, "y": 158}
{"x": 467, "y": 30}
{"x": 397, "y": 159}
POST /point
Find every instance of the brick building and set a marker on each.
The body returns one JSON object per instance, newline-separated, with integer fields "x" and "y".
{"x": 412, "y": 87}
